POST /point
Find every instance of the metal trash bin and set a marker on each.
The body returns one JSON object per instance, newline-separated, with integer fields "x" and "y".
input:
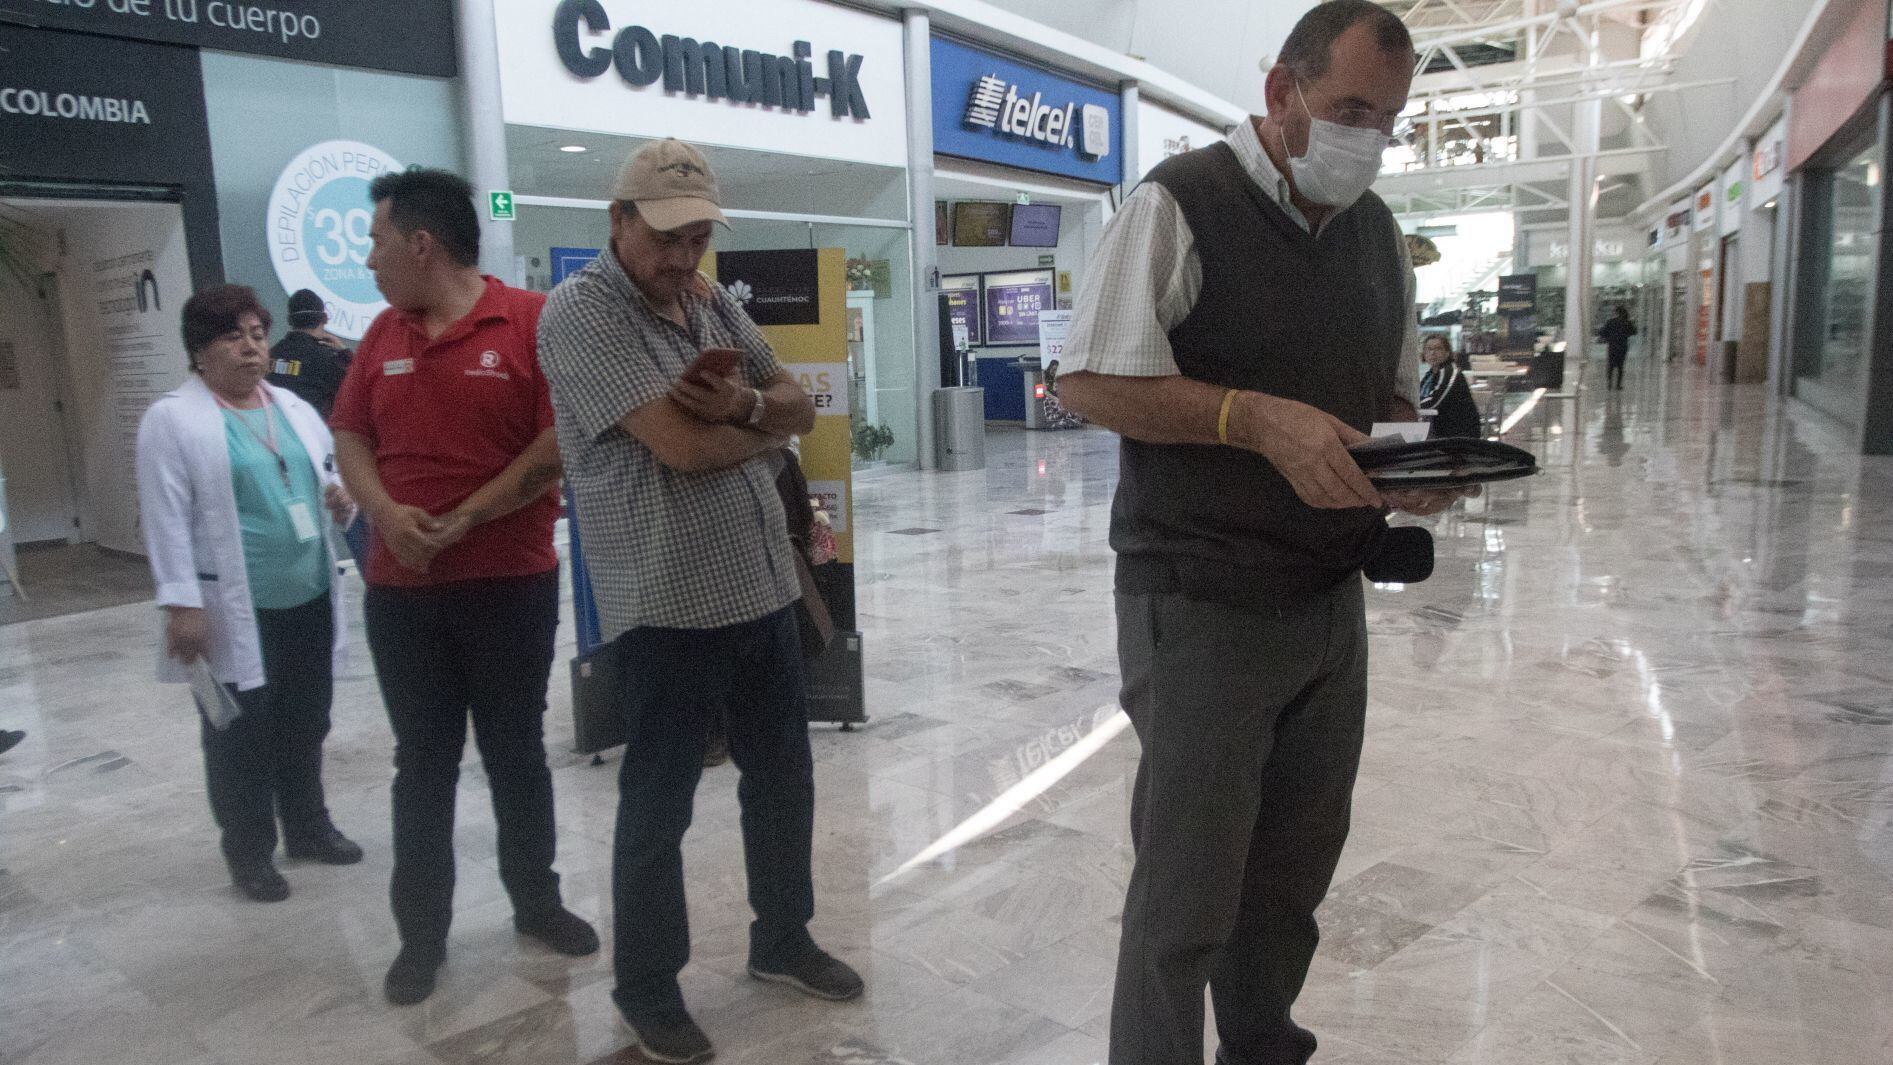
{"x": 959, "y": 428}
{"x": 1034, "y": 397}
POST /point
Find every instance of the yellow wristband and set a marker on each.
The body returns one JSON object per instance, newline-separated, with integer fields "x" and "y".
{"x": 1222, "y": 417}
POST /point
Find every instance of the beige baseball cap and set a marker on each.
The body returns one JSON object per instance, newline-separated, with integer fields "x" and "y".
{"x": 672, "y": 185}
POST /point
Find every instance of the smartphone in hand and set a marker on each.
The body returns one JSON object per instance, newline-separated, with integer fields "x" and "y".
{"x": 715, "y": 362}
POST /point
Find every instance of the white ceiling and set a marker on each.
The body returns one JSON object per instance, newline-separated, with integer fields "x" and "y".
{"x": 747, "y": 178}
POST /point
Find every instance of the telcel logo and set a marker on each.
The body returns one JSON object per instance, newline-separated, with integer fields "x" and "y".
{"x": 996, "y": 104}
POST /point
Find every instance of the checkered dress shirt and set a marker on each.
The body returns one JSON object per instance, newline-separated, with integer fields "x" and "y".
{"x": 1145, "y": 278}
{"x": 665, "y": 549}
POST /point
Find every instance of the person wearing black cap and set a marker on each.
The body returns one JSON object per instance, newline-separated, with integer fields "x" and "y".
{"x": 309, "y": 361}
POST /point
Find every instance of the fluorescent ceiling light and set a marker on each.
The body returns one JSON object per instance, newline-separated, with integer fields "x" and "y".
{"x": 574, "y": 148}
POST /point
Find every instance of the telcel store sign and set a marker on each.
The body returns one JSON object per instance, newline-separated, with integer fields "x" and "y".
{"x": 999, "y": 106}
{"x": 997, "y": 110}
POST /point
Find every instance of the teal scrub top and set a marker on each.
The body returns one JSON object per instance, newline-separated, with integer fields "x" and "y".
{"x": 285, "y": 570}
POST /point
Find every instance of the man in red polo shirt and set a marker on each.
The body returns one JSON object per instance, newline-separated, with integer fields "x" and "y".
{"x": 444, "y": 434}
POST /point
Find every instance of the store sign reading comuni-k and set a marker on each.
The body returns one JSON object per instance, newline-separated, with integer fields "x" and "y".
{"x": 706, "y": 69}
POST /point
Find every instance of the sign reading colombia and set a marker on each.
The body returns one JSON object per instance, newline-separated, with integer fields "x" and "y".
{"x": 997, "y": 110}
{"x": 78, "y": 107}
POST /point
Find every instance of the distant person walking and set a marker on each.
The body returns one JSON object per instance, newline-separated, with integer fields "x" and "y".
{"x": 1616, "y": 335}
{"x": 1445, "y": 393}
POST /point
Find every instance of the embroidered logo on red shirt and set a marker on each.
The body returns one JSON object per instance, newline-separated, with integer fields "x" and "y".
{"x": 489, "y": 366}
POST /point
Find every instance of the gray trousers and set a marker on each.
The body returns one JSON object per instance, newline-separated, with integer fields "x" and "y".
{"x": 1251, "y": 724}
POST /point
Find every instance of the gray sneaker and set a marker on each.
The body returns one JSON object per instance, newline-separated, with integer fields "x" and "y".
{"x": 813, "y": 972}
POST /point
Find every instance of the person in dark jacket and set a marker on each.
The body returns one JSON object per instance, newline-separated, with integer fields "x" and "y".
{"x": 1616, "y": 335}
{"x": 309, "y": 361}
{"x": 1445, "y": 391}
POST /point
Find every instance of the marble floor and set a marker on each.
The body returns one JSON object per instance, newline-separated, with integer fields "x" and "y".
{"x": 69, "y": 578}
{"x": 1626, "y": 798}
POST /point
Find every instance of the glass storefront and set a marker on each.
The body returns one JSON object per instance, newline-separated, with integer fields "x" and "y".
{"x": 1832, "y": 366}
{"x": 881, "y": 332}
{"x": 264, "y": 113}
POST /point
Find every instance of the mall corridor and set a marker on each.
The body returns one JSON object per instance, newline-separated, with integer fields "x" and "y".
{"x": 1627, "y": 797}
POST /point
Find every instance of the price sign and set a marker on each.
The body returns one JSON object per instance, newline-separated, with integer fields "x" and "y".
{"x": 1054, "y": 327}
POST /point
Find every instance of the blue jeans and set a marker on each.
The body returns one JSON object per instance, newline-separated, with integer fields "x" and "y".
{"x": 677, "y": 682}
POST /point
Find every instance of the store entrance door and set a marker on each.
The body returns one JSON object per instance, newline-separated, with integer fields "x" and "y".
{"x": 1678, "y": 326}
{"x": 88, "y": 339}
{"x": 35, "y": 442}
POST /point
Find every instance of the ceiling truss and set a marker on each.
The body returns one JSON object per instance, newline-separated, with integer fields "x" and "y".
{"x": 1521, "y": 117}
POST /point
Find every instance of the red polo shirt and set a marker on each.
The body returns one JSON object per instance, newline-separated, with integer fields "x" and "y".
{"x": 447, "y": 415}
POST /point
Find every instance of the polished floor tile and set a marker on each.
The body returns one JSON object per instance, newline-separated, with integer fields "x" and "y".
{"x": 1627, "y": 797}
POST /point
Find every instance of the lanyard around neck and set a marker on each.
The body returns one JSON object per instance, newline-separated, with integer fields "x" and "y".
{"x": 282, "y": 464}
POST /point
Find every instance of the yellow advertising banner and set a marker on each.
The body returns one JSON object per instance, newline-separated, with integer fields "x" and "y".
{"x": 815, "y": 353}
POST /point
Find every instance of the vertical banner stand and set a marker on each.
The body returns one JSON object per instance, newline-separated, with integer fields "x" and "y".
{"x": 814, "y": 351}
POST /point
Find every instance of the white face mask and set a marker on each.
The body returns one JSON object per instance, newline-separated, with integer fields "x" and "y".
{"x": 1341, "y": 163}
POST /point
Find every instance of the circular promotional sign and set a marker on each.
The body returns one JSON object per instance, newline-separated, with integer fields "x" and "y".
{"x": 319, "y": 215}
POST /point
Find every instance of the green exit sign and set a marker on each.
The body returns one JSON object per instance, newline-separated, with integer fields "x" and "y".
{"x": 500, "y": 206}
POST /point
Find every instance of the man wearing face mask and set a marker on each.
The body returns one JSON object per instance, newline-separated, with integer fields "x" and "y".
{"x": 1248, "y": 316}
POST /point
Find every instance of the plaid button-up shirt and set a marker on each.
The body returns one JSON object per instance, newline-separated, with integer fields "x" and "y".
{"x": 665, "y": 549}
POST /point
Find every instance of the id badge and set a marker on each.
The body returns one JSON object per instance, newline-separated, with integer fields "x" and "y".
{"x": 304, "y": 521}
{"x": 396, "y": 367}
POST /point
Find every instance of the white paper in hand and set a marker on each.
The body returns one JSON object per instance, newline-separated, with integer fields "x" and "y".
{"x": 219, "y": 706}
{"x": 1409, "y": 432}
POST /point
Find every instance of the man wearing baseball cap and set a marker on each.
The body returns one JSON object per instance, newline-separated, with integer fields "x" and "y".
{"x": 672, "y": 470}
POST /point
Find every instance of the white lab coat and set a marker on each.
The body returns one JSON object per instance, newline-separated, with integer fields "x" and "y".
{"x": 188, "y": 510}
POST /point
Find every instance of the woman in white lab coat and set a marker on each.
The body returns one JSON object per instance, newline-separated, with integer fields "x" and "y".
{"x": 237, "y": 489}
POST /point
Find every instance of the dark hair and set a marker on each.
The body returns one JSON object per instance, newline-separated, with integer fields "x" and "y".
{"x": 1310, "y": 45}
{"x": 437, "y": 201}
{"x": 305, "y": 309}
{"x": 215, "y": 311}
{"x": 1441, "y": 337}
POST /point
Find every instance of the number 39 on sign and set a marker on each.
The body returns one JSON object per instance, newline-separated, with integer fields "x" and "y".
{"x": 826, "y": 383}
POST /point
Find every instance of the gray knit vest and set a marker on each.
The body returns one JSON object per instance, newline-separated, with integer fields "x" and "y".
{"x": 1314, "y": 319}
